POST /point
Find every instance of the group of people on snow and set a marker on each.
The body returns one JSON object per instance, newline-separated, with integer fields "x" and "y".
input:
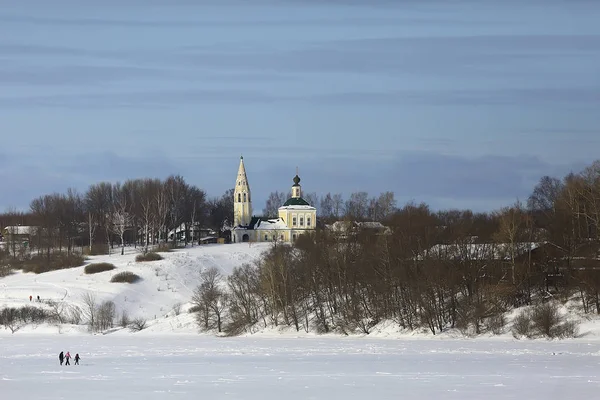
{"x": 66, "y": 357}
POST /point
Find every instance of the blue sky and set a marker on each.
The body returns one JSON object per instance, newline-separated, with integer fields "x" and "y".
{"x": 458, "y": 104}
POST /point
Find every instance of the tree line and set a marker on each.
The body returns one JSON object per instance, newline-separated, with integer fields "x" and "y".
{"x": 431, "y": 270}
{"x": 137, "y": 212}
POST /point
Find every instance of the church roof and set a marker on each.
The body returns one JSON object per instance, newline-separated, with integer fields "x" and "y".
{"x": 295, "y": 201}
{"x": 263, "y": 223}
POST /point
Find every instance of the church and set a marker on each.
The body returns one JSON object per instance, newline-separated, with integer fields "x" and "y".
{"x": 295, "y": 216}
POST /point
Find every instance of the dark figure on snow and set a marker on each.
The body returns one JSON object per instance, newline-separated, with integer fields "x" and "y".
{"x": 67, "y": 358}
{"x": 61, "y": 357}
{"x": 77, "y": 359}
{"x": 30, "y": 297}
{"x": 38, "y": 298}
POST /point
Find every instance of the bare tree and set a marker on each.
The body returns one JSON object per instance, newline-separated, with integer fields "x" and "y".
{"x": 177, "y": 190}
{"x": 98, "y": 203}
{"x": 90, "y": 309}
{"x": 326, "y": 206}
{"x": 357, "y": 206}
{"x": 150, "y": 188}
{"x": 382, "y": 207}
{"x": 92, "y": 225}
{"x": 120, "y": 217}
{"x": 210, "y": 298}
{"x": 337, "y": 205}
{"x": 106, "y": 314}
{"x": 274, "y": 201}
{"x": 161, "y": 197}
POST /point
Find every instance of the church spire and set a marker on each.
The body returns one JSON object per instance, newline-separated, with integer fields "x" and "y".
{"x": 242, "y": 203}
{"x": 241, "y": 177}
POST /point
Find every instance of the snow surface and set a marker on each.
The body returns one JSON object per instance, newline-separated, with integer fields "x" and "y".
{"x": 204, "y": 367}
{"x": 164, "y": 283}
{"x": 169, "y": 359}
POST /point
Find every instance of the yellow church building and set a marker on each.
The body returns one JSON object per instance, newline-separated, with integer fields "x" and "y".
{"x": 295, "y": 216}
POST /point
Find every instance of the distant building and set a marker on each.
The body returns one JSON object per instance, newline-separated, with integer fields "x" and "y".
{"x": 18, "y": 233}
{"x": 196, "y": 234}
{"x": 295, "y": 217}
{"x": 344, "y": 229}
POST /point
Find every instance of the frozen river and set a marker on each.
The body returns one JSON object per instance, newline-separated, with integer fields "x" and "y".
{"x": 198, "y": 367}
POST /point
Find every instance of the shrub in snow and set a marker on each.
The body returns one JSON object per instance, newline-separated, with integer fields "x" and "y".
{"x": 42, "y": 263}
{"x": 97, "y": 249}
{"x": 98, "y": 267}
{"x": 5, "y": 270}
{"x": 124, "y": 322}
{"x": 547, "y": 321}
{"x": 496, "y": 324}
{"x": 164, "y": 248}
{"x": 148, "y": 257}
{"x": 125, "y": 277}
{"x": 194, "y": 309}
{"x": 543, "y": 320}
{"x": 177, "y": 308}
{"x": 138, "y": 324}
{"x": 522, "y": 325}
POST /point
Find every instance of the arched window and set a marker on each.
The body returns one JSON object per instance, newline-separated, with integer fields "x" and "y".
{"x": 244, "y": 197}
{"x": 239, "y": 197}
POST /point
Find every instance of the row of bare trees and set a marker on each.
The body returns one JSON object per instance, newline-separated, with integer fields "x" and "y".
{"x": 431, "y": 270}
{"x": 138, "y": 212}
{"x": 359, "y": 206}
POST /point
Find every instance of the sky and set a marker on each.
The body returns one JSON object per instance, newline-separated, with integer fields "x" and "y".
{"x": 462, "y": 104}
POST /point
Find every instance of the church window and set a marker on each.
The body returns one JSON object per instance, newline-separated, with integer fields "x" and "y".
{"x": 266, "y": 237}
{"x": 301, "y": 221}
{"x": 307, "y": 221}
{"x": 244, "y": 196}
{"x": 239, "y": 198}
{"x": 294, "y": 221}
{"x": 294, "y": 236}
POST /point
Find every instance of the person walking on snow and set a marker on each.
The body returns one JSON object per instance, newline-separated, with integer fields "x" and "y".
{"x": 77, "y": 359}
{"x": 30, "y": 297}
{"x": 67, "y": 357}
{"x": 61, "y": 357}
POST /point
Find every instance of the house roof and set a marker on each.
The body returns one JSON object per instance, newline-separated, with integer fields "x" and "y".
{"x": 19, "y": 230}
{"x": 471, "y": 251}
{"x": 271, "y": 224}
{"x": 262, "y": 223}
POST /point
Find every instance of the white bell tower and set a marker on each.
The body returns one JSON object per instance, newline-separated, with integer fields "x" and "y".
{"x": 242, "y": 203}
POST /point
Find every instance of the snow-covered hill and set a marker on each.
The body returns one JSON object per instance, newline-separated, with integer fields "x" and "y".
{"x": 165, "y": 284}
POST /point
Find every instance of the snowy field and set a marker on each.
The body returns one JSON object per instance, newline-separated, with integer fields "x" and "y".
{"x": 203, "y": 367}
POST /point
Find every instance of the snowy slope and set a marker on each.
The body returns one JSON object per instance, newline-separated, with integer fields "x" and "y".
{"x": 164, "y": 283}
